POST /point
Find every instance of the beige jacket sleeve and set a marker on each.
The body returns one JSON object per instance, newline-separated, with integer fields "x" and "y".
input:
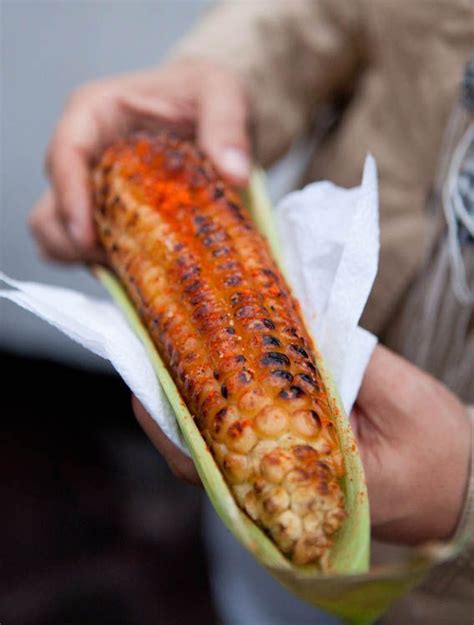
{"x": 292, "y": 55}
{"x": 465, "y": 529}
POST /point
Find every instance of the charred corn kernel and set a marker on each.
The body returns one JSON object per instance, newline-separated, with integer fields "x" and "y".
{"x": 300, "y": 500}
{"x": 241, "y": 436}
{"x": 295, "y": 478}
{"x": 277, "y": 501}
{"x": 312, "y": 522}
{"x": 258, "y": 452}
{"x": 251, "y": 505}
{"x": 306, "y": 423}
{"x": 271, "y": 421}
{"x": 276, "y": 464}
{"x": 312, "y": 547}
{"x": 286, "y": 530}
{"x": 230, "y": 333}
{"x": 236, "y": 468}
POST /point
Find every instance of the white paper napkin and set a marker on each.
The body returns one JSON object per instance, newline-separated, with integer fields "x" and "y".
{"x": 330, "y": 241}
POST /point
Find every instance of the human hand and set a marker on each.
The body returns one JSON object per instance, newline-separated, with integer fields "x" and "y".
{"x": 414, "y": 439}
{"x": 193, "y": 97}
{"x": 181, "y": 465}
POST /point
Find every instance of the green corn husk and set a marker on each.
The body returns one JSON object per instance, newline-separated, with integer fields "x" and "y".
{"x": 346, "y": 588}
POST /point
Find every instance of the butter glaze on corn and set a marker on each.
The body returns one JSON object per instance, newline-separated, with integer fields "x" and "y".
{"x": 230, "y": 333}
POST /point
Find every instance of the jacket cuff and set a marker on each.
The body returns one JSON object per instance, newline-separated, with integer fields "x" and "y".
{"x": 464, "y": 533}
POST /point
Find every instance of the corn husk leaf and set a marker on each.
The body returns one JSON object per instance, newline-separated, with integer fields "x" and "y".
{"x": 345, "y": 587}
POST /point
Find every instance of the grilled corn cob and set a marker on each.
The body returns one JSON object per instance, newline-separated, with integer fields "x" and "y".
{"x": 230, "y": 333}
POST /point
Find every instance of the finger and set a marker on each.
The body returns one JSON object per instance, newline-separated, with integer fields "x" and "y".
{"x": 222, "y": 126}
{"x": 180, "y": 465}
{"x": 164, "y": 99}
{"x": 70, "y": 178}
{"x": 151, "y": 114}
{"x": 80, "y": 135}
{"x": 390, "y": 395}
{"x": 379, "y": 395}
{"x": 49, "y": 233}
{"x": 52, "y": 237}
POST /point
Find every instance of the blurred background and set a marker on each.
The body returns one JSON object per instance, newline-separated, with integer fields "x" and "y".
{"x": 94, "y": 528}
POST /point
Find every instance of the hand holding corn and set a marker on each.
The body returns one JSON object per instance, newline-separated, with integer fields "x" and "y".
{"x": 193, "y": 96}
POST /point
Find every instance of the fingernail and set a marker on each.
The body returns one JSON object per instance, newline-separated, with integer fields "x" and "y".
{"x": 235, "y": 162}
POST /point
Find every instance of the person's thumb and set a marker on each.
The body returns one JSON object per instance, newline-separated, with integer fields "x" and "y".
{"x": 222, "y": 126}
